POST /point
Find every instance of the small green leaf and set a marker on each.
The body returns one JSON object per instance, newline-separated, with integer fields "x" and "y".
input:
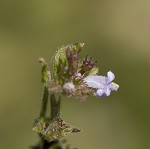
{"x": 39, "y": 125}
{"x": 57, "y": 129}
{"x": 60, "y": 54}
{"x": 46, "y": 76}
{"x": 60, "y": 58}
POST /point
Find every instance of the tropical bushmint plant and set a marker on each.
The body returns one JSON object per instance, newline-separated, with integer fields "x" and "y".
{"x": 70, "y": 77}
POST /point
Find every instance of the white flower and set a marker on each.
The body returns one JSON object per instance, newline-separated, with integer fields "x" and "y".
{"x": 104, "y": 85}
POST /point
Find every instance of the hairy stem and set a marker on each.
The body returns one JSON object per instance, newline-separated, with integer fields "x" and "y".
{"x": 55, "y": 111}
{"x": 55, "y": 106}
{"x": 44, "y": 102}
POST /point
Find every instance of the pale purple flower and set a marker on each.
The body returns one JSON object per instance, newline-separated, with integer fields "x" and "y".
{"x": 104, "y": 85}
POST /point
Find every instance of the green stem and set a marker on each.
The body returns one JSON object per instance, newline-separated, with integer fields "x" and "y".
{"x": 44, "y": 102}
{"x": 55, "y": 111}
{"x": 55, "y": 106}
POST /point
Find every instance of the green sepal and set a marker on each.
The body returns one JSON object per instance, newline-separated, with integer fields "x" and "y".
{"x": 94, "y": 71}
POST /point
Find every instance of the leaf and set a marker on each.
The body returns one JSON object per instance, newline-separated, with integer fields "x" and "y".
{"x": 46, "y": 75}
{"x": 60, "y": 54}
{"x": 59, "y": 58}
{"x": 57, "y": 129}
{"x": 39, "y": 125}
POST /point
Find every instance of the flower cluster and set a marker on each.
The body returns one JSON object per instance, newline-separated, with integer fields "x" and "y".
{"x": 78, "y": 78}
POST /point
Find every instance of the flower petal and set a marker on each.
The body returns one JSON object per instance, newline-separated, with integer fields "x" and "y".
{"x": 113, "y": 86}
{"x": 107, "y": 91}
{"x": 95, "y": 81}
{"x": 100, "y": 92}
{"x": 103, "y": 92}
{"x": 111, "y": 76}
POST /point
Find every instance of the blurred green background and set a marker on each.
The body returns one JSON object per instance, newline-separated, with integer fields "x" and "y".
{"x": 115, "y": 32}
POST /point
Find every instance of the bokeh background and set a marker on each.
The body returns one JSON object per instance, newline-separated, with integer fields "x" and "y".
{"x": 115, "y": 32}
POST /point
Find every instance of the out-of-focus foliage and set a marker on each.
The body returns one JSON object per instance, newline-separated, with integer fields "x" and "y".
{"x": 116, "y": 33}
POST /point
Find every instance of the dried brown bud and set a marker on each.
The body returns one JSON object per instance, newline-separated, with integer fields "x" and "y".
{"x": 42, "y": 61}
{"x": 87, "y": 64}
{"x": 72, "y": 57}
